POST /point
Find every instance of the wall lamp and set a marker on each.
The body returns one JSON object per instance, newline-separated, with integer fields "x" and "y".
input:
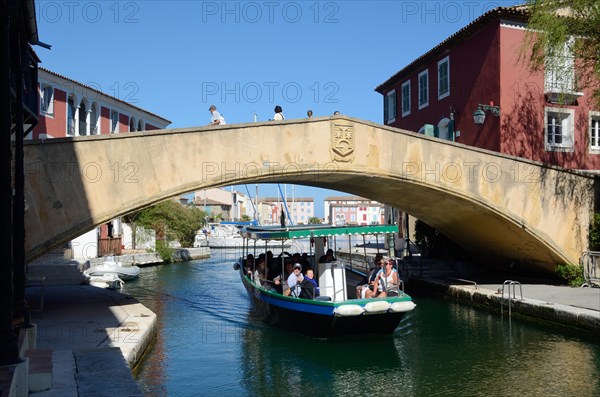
{"x": 479, "y": 114}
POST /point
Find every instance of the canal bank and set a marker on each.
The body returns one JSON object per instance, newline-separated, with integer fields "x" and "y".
{"x": 573, "y": 308}
{"x": 563, "y": 306}
{"x": 85, "y": 340}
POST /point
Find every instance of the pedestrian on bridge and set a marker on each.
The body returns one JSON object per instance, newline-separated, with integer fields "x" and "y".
{"x": 216, "y": 118}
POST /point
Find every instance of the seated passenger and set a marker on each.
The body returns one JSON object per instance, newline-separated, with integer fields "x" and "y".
{"x": 387, "y": 278}
{"x": 366, "y": 290}
{"x": 295, "y": 279}
{"x": 328, "y": 257}
{"x": 281, "y": 281}
{"x": 260, "y": 274}
{"x": 309, "y": 286}
{"x": 249, "y": 264}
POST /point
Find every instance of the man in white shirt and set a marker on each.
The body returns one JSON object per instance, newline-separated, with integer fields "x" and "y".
{"x": 216, "y": 118}
{"x": 295, "y": 279}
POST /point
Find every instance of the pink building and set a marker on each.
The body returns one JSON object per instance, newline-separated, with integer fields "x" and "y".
{"x": 353, "y": 210}
{"x": 542, "y": 116}
{"x": 69, "y": 109}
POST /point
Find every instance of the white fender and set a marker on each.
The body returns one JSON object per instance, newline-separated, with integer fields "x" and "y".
{"x": 377, "y": 307}
{"x": 349, "y": 310}
{"x": 399, "y": 307}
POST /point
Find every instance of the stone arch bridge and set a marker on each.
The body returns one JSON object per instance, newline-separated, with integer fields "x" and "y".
{"x": 493, "y": 205}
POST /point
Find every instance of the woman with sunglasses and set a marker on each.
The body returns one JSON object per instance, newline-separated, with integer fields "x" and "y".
{"x": 386, "y": 279}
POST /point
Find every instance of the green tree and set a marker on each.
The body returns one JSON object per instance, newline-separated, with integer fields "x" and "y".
{"x": 173, "y": 221}
{"x": 246, "y": 218}
{"x": 314, "y": 220}
{"x": 559, "y": 25}
{"x": 594, "y": 234}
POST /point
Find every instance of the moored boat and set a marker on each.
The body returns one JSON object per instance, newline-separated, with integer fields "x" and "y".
{"x": 337, "y": 311}
{"x": 111, "y": 266}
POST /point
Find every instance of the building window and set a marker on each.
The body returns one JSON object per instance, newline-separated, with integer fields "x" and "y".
{"x": 559, "y": 128}
{"x": 70, "y": 117}
{"x": 444, "y": 78}
{"x": 406, "y": 98}
{"x": 595, "y": 132}
{"x": 47, "y": 99}
{"x": 389, "y": 107}
{"x": 560, "y": 70}
{"x": 423, "y": 89}
{"x": 114, "y": 121}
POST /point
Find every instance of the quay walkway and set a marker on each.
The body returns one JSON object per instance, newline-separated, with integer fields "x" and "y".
{"x": 95, "y": 336}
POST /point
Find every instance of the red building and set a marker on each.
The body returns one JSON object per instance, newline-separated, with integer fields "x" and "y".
{"x": 69, "y": 109}
{"x": 480, "y": 70}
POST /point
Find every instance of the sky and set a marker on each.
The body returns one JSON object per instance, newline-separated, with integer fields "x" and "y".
{"x": 176, "y": 58}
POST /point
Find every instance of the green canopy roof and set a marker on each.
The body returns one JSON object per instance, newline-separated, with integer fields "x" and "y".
{"x": 294, "y": 232}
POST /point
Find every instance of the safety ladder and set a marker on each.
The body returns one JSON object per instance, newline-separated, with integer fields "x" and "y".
{"x": 508, "y": 284}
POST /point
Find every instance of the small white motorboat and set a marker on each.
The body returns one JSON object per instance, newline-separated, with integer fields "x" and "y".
{"x": 110, "y": 266}
{"x": 108, "y": 281}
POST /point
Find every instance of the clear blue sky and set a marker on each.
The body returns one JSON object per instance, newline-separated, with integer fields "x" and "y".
{"x": 176, "y": 58}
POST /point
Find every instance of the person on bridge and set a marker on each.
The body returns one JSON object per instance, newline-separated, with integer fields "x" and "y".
{"x": 278, "y": 114}
{"x": 216, "y": 118}
{"x": 309, "y": 113}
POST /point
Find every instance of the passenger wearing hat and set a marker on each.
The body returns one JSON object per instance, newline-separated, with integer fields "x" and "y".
{"x": 216, "y": 118}
{"x": 295, "y": 279}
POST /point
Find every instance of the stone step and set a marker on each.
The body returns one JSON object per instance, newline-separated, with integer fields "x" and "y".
{"x": 40, "y": 369}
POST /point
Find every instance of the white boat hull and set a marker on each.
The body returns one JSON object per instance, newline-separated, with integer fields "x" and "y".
{"x": 123, "y": 272}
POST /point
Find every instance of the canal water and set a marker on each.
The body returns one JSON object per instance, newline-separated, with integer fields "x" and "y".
{"x": 209, "y": 344}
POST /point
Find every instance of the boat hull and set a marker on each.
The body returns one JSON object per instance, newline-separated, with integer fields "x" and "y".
{"x": 124, "y": 273}
{"x": 316, "y": 318}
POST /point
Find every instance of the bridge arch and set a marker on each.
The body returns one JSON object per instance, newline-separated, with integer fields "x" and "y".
{"x": 518, "y": 210}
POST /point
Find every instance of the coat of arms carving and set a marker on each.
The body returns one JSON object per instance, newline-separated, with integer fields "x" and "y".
{"x": 342, "y": 143}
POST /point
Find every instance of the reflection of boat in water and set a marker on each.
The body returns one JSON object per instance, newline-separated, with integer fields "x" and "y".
{"x": 346, "y": 365}
{"x": 110, "y": 267}
{"x": 337, "y": 311}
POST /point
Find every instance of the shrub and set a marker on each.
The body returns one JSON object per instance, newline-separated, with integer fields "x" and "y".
{"x": 165, "y": 252}
{"x": 572, "y": 274}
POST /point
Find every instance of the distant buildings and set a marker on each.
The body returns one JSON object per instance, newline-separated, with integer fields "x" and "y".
{"x": 353, "y": 210}
{"x": 300, "y": 209}
{"x": 68, "y": 108}
{"x": 232, "y": 205}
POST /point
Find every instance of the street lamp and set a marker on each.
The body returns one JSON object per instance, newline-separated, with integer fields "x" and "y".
{"x": 479, "y": 114}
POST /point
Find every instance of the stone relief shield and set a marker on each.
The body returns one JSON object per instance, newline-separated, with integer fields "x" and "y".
{"x": 342, "y": 143}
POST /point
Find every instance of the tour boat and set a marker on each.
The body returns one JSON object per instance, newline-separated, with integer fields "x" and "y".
{"x": 337, "y": 311}
{"x": 111, "y": 266}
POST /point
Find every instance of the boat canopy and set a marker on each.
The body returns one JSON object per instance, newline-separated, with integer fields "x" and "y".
{"x": 294, "y": 232}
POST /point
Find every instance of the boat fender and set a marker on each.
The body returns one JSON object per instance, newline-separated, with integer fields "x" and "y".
{"x": 236, "y": 266}
{"x": 349, "y": 310}
{"x": 399, "y": 307}
{"x": 377, "y": 307}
